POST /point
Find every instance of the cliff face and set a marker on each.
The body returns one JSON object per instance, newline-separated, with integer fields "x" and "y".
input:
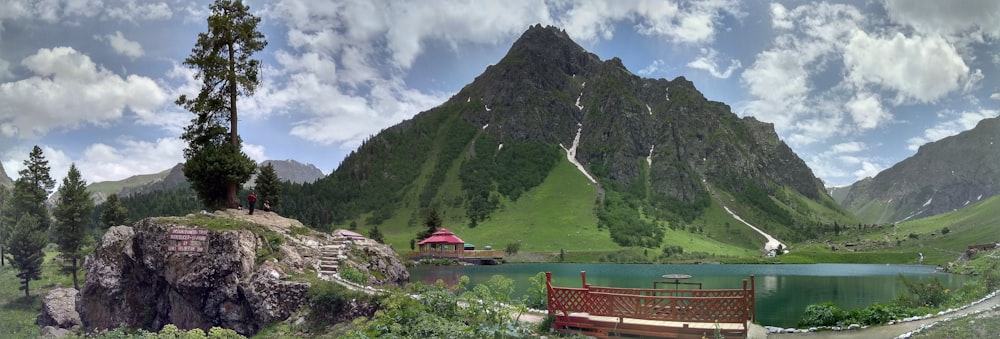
{"x": 4, "y": 179}
{"x": 241, "y": 281}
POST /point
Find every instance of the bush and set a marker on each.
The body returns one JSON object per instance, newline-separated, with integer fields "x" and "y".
{"x": 945, "y": 230}
{"x": 353, "y": 275}
{"x": 328, "y": 300}
{"x": 877, "y": 314}
{"x": 538, "y": 294}
{"x": 825, "y": 314}
{"x": 928, "y": 294}
{"x": 512, "y": 248}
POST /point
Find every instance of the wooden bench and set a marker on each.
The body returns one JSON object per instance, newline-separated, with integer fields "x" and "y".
{"x": 604, "y": 312}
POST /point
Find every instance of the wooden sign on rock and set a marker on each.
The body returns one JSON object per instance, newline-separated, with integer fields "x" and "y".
{"x": 189, "y": 240}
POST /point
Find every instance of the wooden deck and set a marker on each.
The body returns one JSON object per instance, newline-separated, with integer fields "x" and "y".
{"x": 604, "y": 312}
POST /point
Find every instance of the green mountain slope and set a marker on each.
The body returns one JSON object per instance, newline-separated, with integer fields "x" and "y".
{"x": 942, "y": 176}
{"x": 493, "y": 160}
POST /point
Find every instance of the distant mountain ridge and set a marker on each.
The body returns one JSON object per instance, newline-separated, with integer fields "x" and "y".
{"x": 942, "y": 176}
{"x": 172, "y": 178}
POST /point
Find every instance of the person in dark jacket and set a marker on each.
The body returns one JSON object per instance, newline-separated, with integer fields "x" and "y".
{"x": 251, "y": 200}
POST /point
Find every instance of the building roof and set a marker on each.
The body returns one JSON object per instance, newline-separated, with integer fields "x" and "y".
{"x": 442, "y": 236}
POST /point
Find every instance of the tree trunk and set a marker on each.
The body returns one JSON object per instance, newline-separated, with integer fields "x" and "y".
{"x": 75, "y": 285}
{"x": 234, "y": 137}
{"x": 27, "y": 295}
{"x": 231, "y": 194}
{"x": 2, "y": 255}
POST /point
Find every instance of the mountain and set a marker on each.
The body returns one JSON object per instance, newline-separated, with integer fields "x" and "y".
{"x": 172, "y": 178}
{"x": 655, "y": 152}
{"x": 5, "y": 180}
{"x": 292, "y": 171}
{"x": 942, "y": 176}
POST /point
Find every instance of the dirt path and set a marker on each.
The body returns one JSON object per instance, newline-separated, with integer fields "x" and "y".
{"x": 894, "y": 330}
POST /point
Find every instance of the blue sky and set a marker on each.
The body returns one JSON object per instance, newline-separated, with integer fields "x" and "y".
{"x": 852, "y": 87}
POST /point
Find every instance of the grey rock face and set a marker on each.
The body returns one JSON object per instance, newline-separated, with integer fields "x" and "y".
{"x": 59, "y": 310}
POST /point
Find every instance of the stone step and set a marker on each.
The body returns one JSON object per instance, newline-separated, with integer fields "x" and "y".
{"x": 328, "y": 268}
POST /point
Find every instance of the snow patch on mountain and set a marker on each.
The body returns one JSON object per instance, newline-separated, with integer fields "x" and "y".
{"x": 571, "y": 154}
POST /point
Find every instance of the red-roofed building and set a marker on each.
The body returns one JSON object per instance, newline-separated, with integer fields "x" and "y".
{"x": 445, "y": 244}
{"x": 442, "y": 243}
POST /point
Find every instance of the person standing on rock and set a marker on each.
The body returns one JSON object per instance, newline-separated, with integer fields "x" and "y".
{"x": 251, "y": 200}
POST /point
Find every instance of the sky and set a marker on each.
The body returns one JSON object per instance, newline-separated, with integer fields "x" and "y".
{"x": 851, "y": 87}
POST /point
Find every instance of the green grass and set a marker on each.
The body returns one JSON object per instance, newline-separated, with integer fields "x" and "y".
{"x": 113, "y": 187}
{"x": 17, "y": 316}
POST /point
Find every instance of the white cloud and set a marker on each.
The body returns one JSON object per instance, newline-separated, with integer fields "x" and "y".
{"x": 947, "y": 17}
{"x": 867, "y": 170}
{"x": 129, "y": 10}
{"x": 55, "y": 10}
{"x": 707, "y": 62}
{"x": 122, "y": 46}
{"x": 68, "y": 90}
{"x": 255, "y": 152}
{"x": 127, "y": 157}
{"x": 5, "y": 69}
{"x": 958, "y": 123}
{"x": 995, "y": 96}
{"x": 924, "y": 68}
{"x": 779, "y": 17}
{"x": 867, "y": 111}
{"x": 689, "y": 23}
{"x": 655, "y": 67}
{"x": 848, "y": 147}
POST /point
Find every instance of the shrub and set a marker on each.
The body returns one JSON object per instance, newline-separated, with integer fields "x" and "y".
{"x": 945, "y": 230}
{"x": 825, "y": 314}
{"x": 537, "y": 296}
{"x": 877, "y": 314}
{"x": 929, "y": 294}
{"x": 353, "y": 275}
{"x": 512, "y": 248}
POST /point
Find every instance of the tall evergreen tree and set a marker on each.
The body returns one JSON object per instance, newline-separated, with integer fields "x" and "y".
{"x": 431, "y": 224}
{"x": 70, "y": 231}
{"x": 32, "y": 189}
{"x": 268, "y": 187}
{"x": 215, "y": 164}
{"x": 114, "y": 213}
{"x": 26, "y": 243}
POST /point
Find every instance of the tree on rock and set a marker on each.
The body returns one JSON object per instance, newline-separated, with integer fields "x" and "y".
{"x": 268, "y": 187}
{"x": 114, "y": 213}
{"x": 216, "y": 164}
{"x": 71, "y": 213}
{"x": 26, "y": 242}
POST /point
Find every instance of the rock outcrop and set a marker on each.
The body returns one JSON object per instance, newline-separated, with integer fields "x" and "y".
{"x": 243, "y": 280}
{"x": 59, "y": 313}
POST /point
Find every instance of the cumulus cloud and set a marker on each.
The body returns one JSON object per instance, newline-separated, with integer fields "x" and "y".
{"x": 947, "y": 17}
{"x": 121, "y": 45}
{"x": 688, "y": 23}
{"x": 995, "y": 96}
{"x": 867, "y": 111}
{"x": 779, "y": 17}
{"x": 53, "y": 11}
{"x": 957, "y": 123}
{"x": 69, "y": 90}
{"x": 845, "y": 163}
{"x": 126, "y": 157}
{"x": 924, "y": 68}
{"x": 708, "y": 62}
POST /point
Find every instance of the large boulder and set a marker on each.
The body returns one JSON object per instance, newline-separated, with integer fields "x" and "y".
{"x": 59, "y": 310}
{"x": 133, "y": 280}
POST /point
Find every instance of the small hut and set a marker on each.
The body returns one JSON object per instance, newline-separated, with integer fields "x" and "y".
{"x": 442, "y": 243}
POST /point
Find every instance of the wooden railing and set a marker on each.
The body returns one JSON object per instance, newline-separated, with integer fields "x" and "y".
{"x": 687, "y": 305}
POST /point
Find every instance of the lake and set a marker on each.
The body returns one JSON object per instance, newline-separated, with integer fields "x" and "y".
{"x": 783, "y": 291}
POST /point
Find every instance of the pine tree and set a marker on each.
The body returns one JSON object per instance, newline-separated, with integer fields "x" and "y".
{"x": 215, "y": 164}
{"x": 375, "y": 234}
{"x": 70, "y": 231}
{"x": 114, "y": 213}
{"x": 268, "y": 186}
{"x": 32, "y": 189}
{"x": 431, "y": 224}
{"x": 26, "y": 243}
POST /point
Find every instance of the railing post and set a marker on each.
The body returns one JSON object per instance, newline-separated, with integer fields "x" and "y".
{"x": 583, "y": 278}
{"x": 550, "y": 296}
{"x": 753, "y": 299}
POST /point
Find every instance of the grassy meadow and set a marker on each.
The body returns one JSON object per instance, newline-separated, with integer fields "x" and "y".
{"x": 18, "y": 320}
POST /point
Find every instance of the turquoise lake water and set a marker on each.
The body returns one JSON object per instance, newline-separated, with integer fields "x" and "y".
{"x": 782, "y": 291}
